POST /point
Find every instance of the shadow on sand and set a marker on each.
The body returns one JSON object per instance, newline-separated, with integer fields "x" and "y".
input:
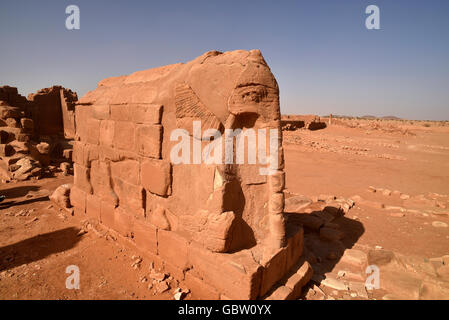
{"x": 38, "y": 247}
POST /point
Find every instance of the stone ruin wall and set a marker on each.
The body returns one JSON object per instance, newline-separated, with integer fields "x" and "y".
{"x": 220, "y": 228}
{"x": 35, "y": 133}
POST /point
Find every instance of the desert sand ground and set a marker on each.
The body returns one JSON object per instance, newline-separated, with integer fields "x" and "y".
{"x": 395, "y": 172}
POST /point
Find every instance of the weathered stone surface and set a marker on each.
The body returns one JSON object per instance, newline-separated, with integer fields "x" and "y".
{"x": 149, "y": 140}
{"x": 61, "y": 196}
{"x": 156, "y": 176}
{"x": 123, "y": 154}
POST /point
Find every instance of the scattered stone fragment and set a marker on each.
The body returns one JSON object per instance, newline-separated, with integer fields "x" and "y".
{"x": 439, "y": 224}
{"x": 61, "y": 196}
{"x": 158, "y": 276}
{"x": 296, "y": 203}
{"x": 65, "y": 168}
{"x": 359, "y": 288}
{"x": 162, "y": 287}
{"x": 397, "y": 214}
{"x": 43, "y": 148}
{"x": 332, "y": 282}
{"x": 372, "y": 189}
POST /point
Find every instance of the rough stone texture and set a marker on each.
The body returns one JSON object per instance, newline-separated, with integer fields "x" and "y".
{"x": 38, "y": 128}
{"x": 223, "y": 223}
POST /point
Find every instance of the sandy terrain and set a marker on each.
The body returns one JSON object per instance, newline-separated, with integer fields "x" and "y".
{"x": 399, "y": 227}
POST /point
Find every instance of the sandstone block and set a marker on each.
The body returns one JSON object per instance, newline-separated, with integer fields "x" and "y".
{"x": 107, "y": 128}
{"x": 145, "y": 113}
{"x": 120, "y": 113}
{"x": 277, "y": 181}
{"x": 281, "y": 293}
{"x": 294, "y": 248}
{"x": 236, "y": 276}
{"x": 273, "y": 270}
{"x": 276, "y": 203}
{"x": 61, "y": 196}
{"x": 200, "y": 289}
{"x": 149, "y": 140}
{"x": 93, "y": 207}
{"x": 145, "y": 236}
{"x": 93, "y": 131}
{"x": 82, "y": 178}
{"x": 107, "y": 213}
{"x": 127, "y": 170}
{"x": 167, "y": 240}
{"x": 124, "y": 135}
{"x": 78, "y": 200}
{"x": 100, "y": 112}
{"x": 298, "y": 280}
{"x": 124, "y": 222}
{"x": 156, "y": 176}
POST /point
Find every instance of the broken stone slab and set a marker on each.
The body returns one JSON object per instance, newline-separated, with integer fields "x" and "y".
{"x": 359, "y": 288}
{"x": 281, "y": 293}
{"x": 296, "y": 203}
{"x": 331, "y": 234}
{"x": 61, "y": 196}
{"x": 354, "y": 257}
{"x": 332, "y": 282}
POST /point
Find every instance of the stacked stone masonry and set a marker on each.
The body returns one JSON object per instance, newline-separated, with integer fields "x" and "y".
{"x": 35, "y": 133}
{"x": 221, "y": 228}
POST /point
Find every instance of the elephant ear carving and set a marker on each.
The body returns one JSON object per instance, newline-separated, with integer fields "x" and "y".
{"x": 189, "y": 108}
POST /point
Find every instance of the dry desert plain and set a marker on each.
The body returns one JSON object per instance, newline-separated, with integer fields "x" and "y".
{"x": 389, "y": 177}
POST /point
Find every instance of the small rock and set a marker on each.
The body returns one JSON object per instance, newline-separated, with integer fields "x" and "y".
{"x": 332, "y": 282}
{"x": 158, "y": 276}
{"x": 439, "y": 224}
{"x": 43, "y": 148}
{"x": 179, "y": 295}
{"x": 162, "y": 287}
{"x": 397, "y": 214}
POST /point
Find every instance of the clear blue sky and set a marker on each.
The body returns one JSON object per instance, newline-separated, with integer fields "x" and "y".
{"x": 323, "y": 57}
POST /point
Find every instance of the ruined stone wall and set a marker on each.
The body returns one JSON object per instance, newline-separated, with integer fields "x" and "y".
{"x": 32, "y": 140}
{"x": 219, "y": 225}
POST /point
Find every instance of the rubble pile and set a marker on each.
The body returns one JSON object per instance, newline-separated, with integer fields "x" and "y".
{"x": 36, "y": 133}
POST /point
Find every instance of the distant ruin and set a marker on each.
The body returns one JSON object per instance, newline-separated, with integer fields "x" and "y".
{"x": 35, "y": 133}
{"x": 295, "y": 122}
{"x": 220, "y": 227}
